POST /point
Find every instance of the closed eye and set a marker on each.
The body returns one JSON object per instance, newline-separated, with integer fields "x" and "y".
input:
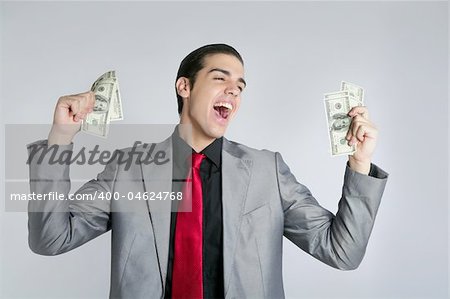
{"x": 219, "y": 78}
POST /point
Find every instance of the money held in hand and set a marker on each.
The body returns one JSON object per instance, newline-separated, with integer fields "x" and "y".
{"x": 337, "y": 106}
{"x": 107, "y": 107}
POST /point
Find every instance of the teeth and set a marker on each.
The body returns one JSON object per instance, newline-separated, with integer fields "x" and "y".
{"x": 224, "y": 104}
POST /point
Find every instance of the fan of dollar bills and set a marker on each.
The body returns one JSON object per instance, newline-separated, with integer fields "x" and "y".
{"x": 337, "y": 106}
{"x": 107, "y": 107}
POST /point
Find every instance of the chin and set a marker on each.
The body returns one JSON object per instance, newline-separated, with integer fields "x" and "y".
{"x": 217, "y": 132}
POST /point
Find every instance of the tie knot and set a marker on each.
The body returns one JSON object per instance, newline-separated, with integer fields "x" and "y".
{"x": 197, "y": 160}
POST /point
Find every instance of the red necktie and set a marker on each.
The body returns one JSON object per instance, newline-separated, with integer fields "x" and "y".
{"x": 187, "y": 277}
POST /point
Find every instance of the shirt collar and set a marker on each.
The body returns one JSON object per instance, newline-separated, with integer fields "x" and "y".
{"x": 181, "y": 149}
{"x": 214, "y": 151}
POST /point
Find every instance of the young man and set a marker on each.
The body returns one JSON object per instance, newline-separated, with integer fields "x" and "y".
{"x": 243, "y": 200}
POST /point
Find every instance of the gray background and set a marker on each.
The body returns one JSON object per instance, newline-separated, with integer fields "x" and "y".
{"x": 294, "y": 52}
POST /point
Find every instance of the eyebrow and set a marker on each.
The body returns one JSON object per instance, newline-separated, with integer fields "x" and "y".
{"x": 228, "y": 74}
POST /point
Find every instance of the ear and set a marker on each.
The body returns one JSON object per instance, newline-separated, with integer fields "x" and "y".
{"x": 183, "y": 87}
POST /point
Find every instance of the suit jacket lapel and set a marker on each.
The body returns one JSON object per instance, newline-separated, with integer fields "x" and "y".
{"x": 236, "y": 173}
{"x": 158, "y": 178}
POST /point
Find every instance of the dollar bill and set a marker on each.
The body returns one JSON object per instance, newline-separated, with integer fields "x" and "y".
{"x": 116, "y": 102}
{"x": 337, "y": 106}
{"x": 342, "y": 94}
{"x": 336, "y": 94}
{"x": 116, "y": 108}
{"x": 355, "y": 91}
{"x": 107, "y": 107}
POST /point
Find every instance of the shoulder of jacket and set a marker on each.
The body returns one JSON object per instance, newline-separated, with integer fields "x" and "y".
{"x": 235, "y": 146}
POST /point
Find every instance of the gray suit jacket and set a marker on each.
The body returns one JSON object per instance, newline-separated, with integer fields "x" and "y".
{"x": 262, "y": 201}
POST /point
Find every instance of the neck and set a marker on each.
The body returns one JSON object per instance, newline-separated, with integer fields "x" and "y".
{"x": 195, "y": 139}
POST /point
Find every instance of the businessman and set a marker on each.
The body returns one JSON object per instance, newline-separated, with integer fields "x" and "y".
{"x": 224, "y": 239}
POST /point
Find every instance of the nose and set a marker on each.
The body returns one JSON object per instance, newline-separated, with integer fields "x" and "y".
{"x": 232, "y": 89}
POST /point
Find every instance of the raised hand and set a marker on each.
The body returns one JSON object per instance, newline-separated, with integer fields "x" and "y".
{"x": 69, "y": 112}
{"x": 364, "y": 134}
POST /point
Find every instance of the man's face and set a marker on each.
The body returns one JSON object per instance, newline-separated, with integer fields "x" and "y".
{"x": 215, "y": 98}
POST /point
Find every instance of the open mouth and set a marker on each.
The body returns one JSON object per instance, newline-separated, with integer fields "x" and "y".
{"x": 223, "y": 109}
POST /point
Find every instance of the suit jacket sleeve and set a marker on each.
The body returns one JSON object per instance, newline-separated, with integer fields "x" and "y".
{"x": 338, "y": 240}
{"x": 57, "y": 226}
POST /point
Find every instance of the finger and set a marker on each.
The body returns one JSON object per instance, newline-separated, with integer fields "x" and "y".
{"x": 70, "y": 103}
{"x": 90, "y": 101}
{"x": 84, "y": 99}
{"x": 359, "y": 110}
{"x": 358, "y": 121}
{"x": 353, "y": 130}
{"x": 87, "y": 101}
{"x": 76, "y": 118}
{"x": 365, "y": 131}
{"x": 352, "y": 140}
{"x": 349, "y": 133}
{"x": 360, "y": 133}
{"x": 81, "y": 115}
{"x": 86, "y": 104}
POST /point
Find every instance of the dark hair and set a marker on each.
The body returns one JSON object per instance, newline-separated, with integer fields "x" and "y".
{"x": 194, "y": 62}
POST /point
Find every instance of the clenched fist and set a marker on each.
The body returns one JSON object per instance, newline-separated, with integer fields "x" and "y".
{"x": 364, "y": 134}
{"x": 69, "y": 112}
